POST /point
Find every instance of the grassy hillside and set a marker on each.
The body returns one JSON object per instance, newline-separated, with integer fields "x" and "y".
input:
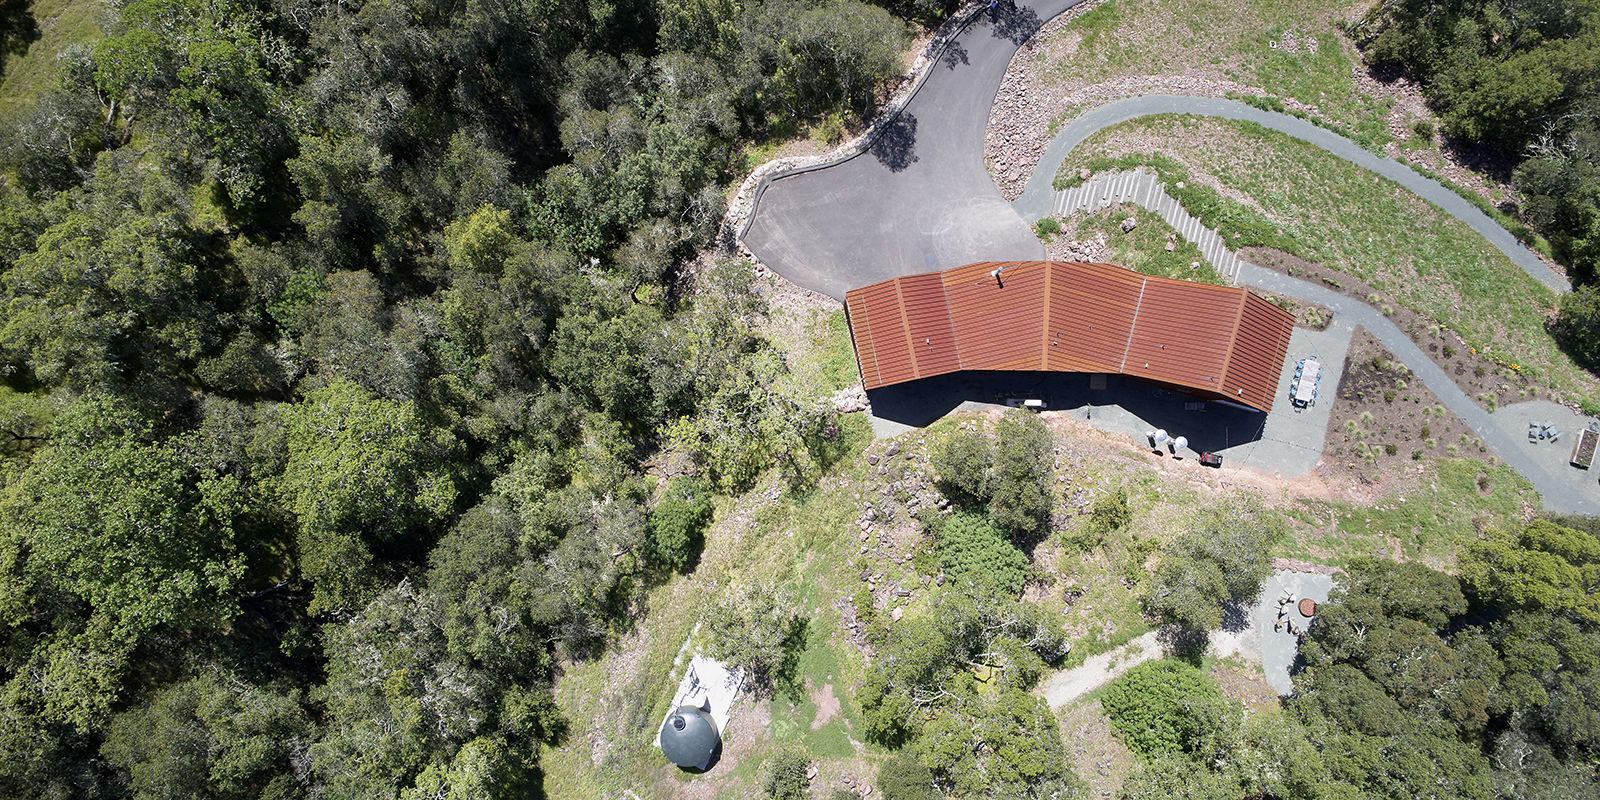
{"x": 62, "y": 25}
{"x": 1326, "y": 210}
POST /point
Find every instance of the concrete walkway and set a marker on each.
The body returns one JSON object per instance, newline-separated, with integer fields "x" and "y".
{"x": 1558, "y": 488}
{"x": 1038, "y": 196}
{"x": 1555, "y": 490}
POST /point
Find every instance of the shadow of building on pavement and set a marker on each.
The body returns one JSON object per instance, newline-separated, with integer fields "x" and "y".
{"x": 1124, "y": 404}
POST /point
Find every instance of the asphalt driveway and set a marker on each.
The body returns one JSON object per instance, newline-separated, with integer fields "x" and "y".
{"x": 919, "y": 199}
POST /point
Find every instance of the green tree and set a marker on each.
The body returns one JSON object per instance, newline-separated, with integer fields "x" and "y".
{"x": 814, "y": 58}
{"x": 1169, "y": 706}
{"x": 1222, "y": 558}
{"x": 1171, "y": 776}
{"x": 109, "y": 294}
{"x": 108, "y": 536}
{"x": 749, "y": 625}
{"x": 754, "y": 419}
{"x": 927, "y": 663}
{"x": 360, "y": 471}
{"x": 1540, "y": 567}
{"x": 483, "y": 241}
{"x": 903, "y": 777}
{"x": 212, "y": 64}
{"x": 1111, "y": 511}
{"x": 1004, "y": 744}
{"x": 786, "y": 776}
{"x": 213, "y": 736}
{"x": 678, "y": 521}
{"x": 962, "y": 462}
{"x": 1024, "y": 472}
{"x": 1560, "y": 181}
{"x": 410, "y": 710}
{"x": 603, "y": 357}
{"x": 1578, "y": 321}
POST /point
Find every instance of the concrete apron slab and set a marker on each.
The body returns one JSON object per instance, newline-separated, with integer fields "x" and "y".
{"x": 1552, "y": 456}
{"x": 1280, "y": 648}
{"x": 1290, "y": 439}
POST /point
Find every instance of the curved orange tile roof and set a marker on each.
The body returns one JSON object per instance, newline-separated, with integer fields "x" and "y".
{"x": 1211, "y": 341}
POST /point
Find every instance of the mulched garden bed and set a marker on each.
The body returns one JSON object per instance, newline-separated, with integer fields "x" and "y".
{"x": 1383, "y": 417}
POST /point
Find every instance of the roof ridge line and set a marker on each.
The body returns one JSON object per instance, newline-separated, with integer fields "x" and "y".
{"x": 1233, "y": 340}
{"x": 1132, "y": 325}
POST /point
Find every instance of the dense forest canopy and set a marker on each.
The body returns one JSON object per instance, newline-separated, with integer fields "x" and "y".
{"x": 334, "y": 337}
{"x": 1414, "y": 684}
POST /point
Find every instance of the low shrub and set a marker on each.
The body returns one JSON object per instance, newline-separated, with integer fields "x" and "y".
{"x": 973, "y": 550}
{"x": 1166, "y": 706}
{"x": 786, "y": 776}
{"x": 903, "y": 777}
{"x": 678, "y": 521}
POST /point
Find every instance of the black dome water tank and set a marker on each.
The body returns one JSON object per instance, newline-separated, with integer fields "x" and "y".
{"x": 688, "y": 737}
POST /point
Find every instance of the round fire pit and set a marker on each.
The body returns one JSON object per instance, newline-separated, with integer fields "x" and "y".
{"x": 1308, "y": 607}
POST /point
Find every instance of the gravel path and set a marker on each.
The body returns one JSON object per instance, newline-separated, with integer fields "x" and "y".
{"x": 1096, "y": 671}
{"x": 1036, "y": 199}
{"x": 1555, "y": 490}
{"x": 1551, "y": 481}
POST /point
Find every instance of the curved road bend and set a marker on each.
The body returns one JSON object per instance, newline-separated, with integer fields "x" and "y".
{"x": 919, "y": 199}
{"x": 1035, "y": 200}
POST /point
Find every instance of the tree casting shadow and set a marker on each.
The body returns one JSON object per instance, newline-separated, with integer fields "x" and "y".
{"x": 954, "y": 55}
{"x": 1013, "y": 22}
{"x": 896, "y": 146}
{"x": 18, "y": 29}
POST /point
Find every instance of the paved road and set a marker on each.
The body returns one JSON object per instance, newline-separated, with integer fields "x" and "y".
{"x": 919, "y": 199}
{"x": 1036, "y": 198}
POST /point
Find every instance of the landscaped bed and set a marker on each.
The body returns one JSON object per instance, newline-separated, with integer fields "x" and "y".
{"x": 1475, "y": 373}
{"x": 1583, "y": 448}
{"x": 1384, "y": 417}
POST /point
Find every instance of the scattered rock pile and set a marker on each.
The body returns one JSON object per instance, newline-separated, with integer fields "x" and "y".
{"x": 1031, "y": 104}
{"x": 887, "y": 530}
{"x": 1293, "y": 565}
{"x": 860, "y": 786}
{"x": 850, "y": 400}
{"x": 1093, "y": 250}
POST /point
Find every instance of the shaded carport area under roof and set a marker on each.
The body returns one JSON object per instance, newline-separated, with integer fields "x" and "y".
{"x": 1215, "y": 342}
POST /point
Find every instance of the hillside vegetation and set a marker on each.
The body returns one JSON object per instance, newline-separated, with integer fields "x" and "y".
{"x": 338, "y": 339}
